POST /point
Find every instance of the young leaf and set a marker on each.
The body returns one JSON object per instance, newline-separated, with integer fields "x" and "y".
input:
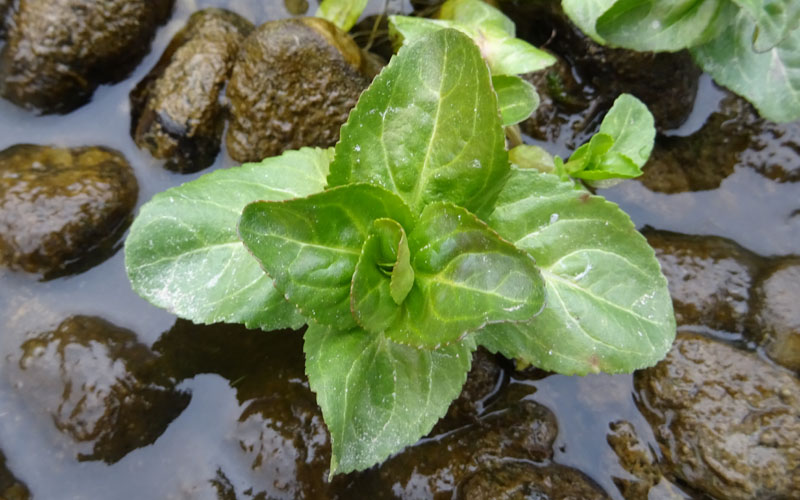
{"x": 527, "y": 156}
{"x": 465, "y": 276}
{"x": 516, "y": 98}
{"x": 310, "y": 246}
{"x": 774, "y": 20}
{"x": 584, "y": 13}
{"x": 427, "y": 128}
{"x": 664, "y": 25}
{"x": 377, "y": 396}
{"x": 476, "y": 13}
{"x": 770, "y": 80}
{"x": 342, "y": 13}
{"x": 608, "y": 307}
{"x": 632, "y": 127}
{"x": 383, "y": 276}
{"x": 183, "y": 253}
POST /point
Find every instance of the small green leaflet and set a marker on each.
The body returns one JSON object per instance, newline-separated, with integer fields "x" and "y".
{"x": 465, "y": 277}
{"x": 342, "y": 13}
{"x": 183, "y": 253}
{"x": 427, "y": 128}
{"x": 310, "y": 246}
{"x": 527, "y": 156}
{"x": 770, "y": 80}
{"x": 516, "y": 98}
{"x": 775, "y": 19}
{"x": 664, "y": 25}
{"x": 584, "y": 13}
{"x": 490, "y": 29}
{"x": 378, "y": 397}
{"x": 608, "y": 307}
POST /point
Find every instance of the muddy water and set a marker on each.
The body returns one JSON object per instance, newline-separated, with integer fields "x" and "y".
{"x": 205, "y": 440}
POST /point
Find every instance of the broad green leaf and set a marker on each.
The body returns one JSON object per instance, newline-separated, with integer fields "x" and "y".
{"x": 183, "y": 253}
{"x": 465, "y": 277}
{"x": 770, "y": 80}
{"x": 342, "y": 13}
{"x": 632, "y": 128}
{"x": 664, "y": 25}
{"x": 516, "y": 98}
{"x": 775, "y": 19}
{"x": 406, "y": 30}
{"x": 427, "y": 128}
{"x": 476, "y": 13}
{"x": 527, "y": 156}
{"x": 584, "y": 13}
{"x": 310, "y": 246}
{"x": 607, "y": 308}
{"x": 376, "y": 396}
{"x": 383, "y": 276}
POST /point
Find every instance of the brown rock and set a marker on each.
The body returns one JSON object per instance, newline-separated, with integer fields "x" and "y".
{"x": 635, "y": 458}
{"x": 175, "y": 110}
{"x": 61, "y": 208}
{"x": 709, "y": 278}
{"x": 727, "y": 422}
{"x": 775, "y": 322}
{"x": 5, "y": 5}
{"x": 59, "y": 51}
{"x": 293, "y": 85}
{"x": 99, "y": 385}
{"x": 11, "y": 488}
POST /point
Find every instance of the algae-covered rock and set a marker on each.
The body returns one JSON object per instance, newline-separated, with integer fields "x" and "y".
{"x": 175, "y": 110}
{"x": 727, "y": 422}
{"x": 5, "y": 6}
{"x": 523, "y": 430}
{"x": 11, "y": 488}
{"x": 100, "y": 386}
{"x": 60, "y": 208}
{"x": 636, "y": 458}
{"x": 59, "y": 51}
{"x": 709, "y": 278}
{"x": 293, "y": 85}
{"x": 775, "y": 321}
{"x": 525, "y": 481}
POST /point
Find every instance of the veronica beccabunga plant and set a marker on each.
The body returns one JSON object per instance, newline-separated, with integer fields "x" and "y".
{"x": 411, "y": 243}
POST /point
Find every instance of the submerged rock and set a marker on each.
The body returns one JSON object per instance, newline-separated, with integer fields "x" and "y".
{"x": 5, "y": 5}
{"x": 727, "y": 422}
{"x": 100, "y": 386}
{"x": 709, "y": 278}
{"x": 775, "y": 321}
{"x": 524, "y": 430}
{"x": 293, "y": 85}
{"x": 175, "y": 110}
{"x": 774, "y": 151}
{"x": 59, "y": 51}
{"x": 59, "y": 208}
{"x": 635, "y": 458}
{"x": 11, "y": 488}
{"x": 525, "y": 481}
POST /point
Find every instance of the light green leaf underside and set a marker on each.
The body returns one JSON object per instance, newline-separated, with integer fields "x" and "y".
{"x": 476, "y": 13}
{"x": 183, "y": 253}
{"x": 516, "y": 98}
{"x": 342, "y": 13}
{"x": 632, "y": 127}
{"x": 378, "y": 397}
{"x": 607, "y": 305}
{"x": 770, "y": 80}
{"x": 584, "y": 13}
{"x": 775, "y": 19}
{"x": 664, "y": 25}
{"x": 310, "y": 246}
{"x": 465, "y": 277}
{"x": 427, "y": 128}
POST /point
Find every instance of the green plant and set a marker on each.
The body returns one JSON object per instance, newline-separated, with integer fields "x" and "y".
{"x": 407, "y": 246}
{"x": 750, "y": 46}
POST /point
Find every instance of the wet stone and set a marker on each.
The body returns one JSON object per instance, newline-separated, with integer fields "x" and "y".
{"x": 525, "y": 481}
{"x": 524, "y": 430}
{"x": 709, "y": 278}
{"x": 59, "y": 51}
{"x": 175, "y": 110}
{"x": 100, "y": 386}
{"x": 61, "y": 209}
{"x": 774, "y": 151}
{"x": 727, "y": 422}
{"x": 11, "y": 488}
{"x": 775, "y": 322}
{"x": 293, "y": 85}
{"x": 5, "y": 5}
{"x": 635, "y": 458}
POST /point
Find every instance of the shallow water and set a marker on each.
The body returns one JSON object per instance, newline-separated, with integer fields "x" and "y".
{"x": 758, "y": 213}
